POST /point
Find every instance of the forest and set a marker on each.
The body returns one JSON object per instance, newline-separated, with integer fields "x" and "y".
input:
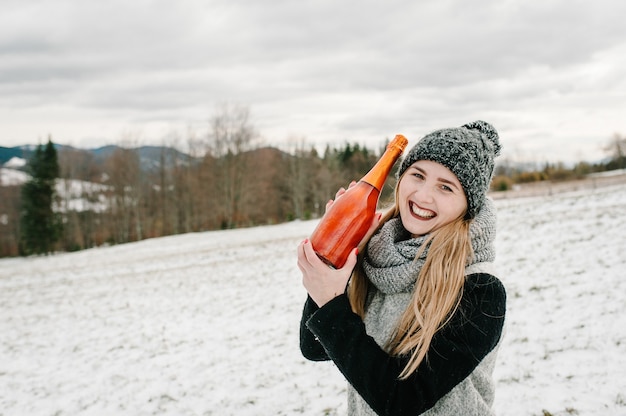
{"x": 228, "y": 179}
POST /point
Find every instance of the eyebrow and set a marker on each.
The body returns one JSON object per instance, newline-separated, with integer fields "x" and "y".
{"x": 443, "y": 180}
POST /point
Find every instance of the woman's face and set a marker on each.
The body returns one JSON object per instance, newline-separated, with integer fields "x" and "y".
{"x": 429, "y": 197}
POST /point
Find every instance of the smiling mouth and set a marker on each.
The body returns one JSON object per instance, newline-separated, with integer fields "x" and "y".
{"x": 421, "y": 213}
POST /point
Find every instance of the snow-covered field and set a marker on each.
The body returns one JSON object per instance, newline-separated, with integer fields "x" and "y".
{"x": 207, "y": 323}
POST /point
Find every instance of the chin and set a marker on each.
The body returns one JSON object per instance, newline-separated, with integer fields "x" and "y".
{"x": 418, "y": 231}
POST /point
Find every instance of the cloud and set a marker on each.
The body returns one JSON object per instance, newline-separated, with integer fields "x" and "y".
{"x": 322, "y": 69}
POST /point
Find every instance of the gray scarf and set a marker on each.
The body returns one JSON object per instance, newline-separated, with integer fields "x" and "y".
{"x": 390, "y": 261}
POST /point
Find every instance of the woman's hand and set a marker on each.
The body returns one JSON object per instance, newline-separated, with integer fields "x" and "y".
{"x": 321, "y": 281}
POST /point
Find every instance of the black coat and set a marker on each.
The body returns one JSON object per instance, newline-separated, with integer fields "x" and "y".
{"x": 334, "y": 332}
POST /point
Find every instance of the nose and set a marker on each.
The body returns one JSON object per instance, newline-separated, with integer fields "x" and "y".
{"x": 424, "y": 194}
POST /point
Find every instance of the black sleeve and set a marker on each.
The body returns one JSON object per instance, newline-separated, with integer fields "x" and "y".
{"x": 455, "y": 351}
{"x": 309, "y": 344}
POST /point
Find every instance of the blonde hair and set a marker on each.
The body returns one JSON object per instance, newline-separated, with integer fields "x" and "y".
{"x": 436, "y": 295}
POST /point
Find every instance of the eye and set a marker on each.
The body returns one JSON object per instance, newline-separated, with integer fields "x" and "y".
{"x": 446, "y": 188}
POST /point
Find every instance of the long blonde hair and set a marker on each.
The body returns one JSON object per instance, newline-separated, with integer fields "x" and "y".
{"x": 437, "y": 292}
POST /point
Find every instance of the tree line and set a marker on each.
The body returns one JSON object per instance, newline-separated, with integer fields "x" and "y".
{"x": 226, "y": 180}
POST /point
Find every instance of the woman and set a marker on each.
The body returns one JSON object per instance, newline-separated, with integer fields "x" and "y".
{"x": 417, "y": 328}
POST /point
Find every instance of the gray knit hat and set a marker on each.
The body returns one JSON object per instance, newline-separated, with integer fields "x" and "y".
{"x": 468, "y": 151}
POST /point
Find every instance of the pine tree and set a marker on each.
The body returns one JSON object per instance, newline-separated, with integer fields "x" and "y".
{"x": 40, "y": 225}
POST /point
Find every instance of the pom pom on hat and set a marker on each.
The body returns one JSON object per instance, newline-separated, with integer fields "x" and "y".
{"x": 468, "y": 151}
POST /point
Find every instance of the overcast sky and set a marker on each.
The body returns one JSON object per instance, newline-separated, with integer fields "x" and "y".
{"x": 550, "y": 75}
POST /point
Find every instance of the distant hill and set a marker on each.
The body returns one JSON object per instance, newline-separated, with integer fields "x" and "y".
{"x": 150, "y": 156}
{"x": 8, "y": 153}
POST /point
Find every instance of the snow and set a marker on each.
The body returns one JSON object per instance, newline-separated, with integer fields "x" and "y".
{"x": 615, "y": 172}
{"x": 207, "y": 323}
{"x": 15, "y": 163}
{"x": 75, "y": 194}
{"x": 12, "y": 177}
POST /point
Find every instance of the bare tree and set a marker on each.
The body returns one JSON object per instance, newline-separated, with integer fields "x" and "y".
{"x": 124, "y": 172}
{"x": 270, "y": 195}
{"x": 177, "y": 186}
{"x": 196, "y": 177}
{"x": 9, "y": 219}
{"x": 163, "y": 207}
{"x": 232, "y": 137}
{"x": 299, "y": 176}
{"x": 617, "y": 150}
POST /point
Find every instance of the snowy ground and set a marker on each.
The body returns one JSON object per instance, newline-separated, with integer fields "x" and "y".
{"x": 207, "y": 323}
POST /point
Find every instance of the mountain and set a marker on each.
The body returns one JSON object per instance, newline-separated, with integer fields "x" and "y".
{"x": 8, "y": 153}
{"x": 150, "y": 156}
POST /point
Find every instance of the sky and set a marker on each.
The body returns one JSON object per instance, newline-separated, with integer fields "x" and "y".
{"x": 550, "y": 75}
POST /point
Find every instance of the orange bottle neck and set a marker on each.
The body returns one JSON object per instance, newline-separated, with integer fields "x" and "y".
{"x": 379, "y": 172}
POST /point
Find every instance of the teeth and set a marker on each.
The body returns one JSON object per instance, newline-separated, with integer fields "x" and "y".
{"x": 421, "y": 212}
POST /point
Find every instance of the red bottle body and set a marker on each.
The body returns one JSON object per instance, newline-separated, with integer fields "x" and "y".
{"x": 349, "y": 217}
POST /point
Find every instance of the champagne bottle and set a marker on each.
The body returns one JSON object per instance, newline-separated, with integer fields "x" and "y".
{"x": 349, "y": 218}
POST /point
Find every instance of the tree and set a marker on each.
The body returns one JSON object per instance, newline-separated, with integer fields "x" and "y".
{"x": 9, "y": 219}
{"x": 125, "y": 180}
{"x": 232, "y": 138}
{"x": 617, "y": 150}
{"x": 298, "y": 178}
{"x": 79, "y": 172}
{"x": 41, "y": 227}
